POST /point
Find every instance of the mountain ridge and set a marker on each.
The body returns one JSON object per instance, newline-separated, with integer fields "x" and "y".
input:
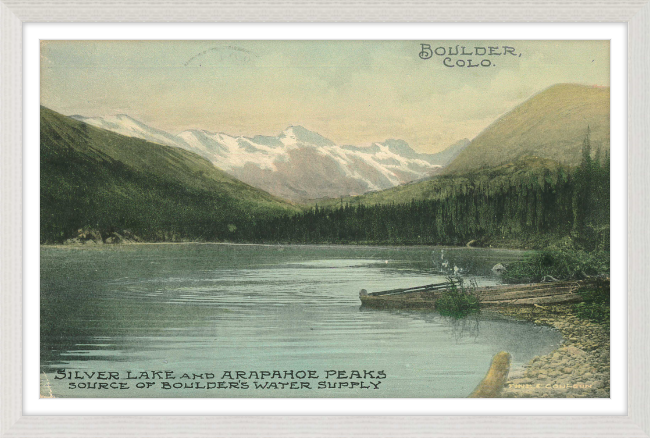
{"x": 552, "y": 124}
{"x": 92, "y": 177}
{"x": 297, "y": 164}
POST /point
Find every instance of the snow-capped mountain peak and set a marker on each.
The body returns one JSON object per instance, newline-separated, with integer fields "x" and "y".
{"x": 296, "y": 164}
{"x": 300, "y": 135}
{"x": 400, "y": 147}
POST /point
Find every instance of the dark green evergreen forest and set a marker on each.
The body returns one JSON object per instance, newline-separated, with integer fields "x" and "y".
{"x": 533, "y": 206}
{"x": 97, "y": 183}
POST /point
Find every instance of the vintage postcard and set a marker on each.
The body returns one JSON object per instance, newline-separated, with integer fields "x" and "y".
{"x": 324, "y": 219}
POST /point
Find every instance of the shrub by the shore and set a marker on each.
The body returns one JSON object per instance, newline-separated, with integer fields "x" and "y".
{"x": 596, "y": 303}
{"x": 558, "y": 265}
{"x": 458, "y": 300}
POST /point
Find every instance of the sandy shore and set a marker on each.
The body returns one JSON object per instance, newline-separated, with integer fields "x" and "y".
{"x": 579, "y": 368}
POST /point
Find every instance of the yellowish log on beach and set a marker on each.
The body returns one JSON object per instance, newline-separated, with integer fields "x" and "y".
{"x": 497, "y": 375}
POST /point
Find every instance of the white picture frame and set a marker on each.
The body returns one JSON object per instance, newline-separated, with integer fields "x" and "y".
{"x": 13, "y": 14}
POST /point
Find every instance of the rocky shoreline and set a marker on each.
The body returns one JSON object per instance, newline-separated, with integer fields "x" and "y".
{"x": 579, "y": 368}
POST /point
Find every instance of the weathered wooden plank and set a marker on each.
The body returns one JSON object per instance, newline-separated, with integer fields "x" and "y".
{"x": 553, "y": 299}
{"x": 526, "y": 293}
{"x": 424, "y": 288}
{"x": 511, "y": 295}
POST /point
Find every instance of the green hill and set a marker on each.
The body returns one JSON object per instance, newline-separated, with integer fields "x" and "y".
{"x": 533, "y": 179}
{"x": 95, "y": 179}
{"x": 550, "y": 125}
{"x": 532, "y": 203}
{"x": 441, "y": 186}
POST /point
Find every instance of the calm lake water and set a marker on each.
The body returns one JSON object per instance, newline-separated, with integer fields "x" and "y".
{"x": 211, "y": 308}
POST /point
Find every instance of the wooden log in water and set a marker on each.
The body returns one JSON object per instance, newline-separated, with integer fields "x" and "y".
{"x": 425, "y": 297}
{"x": 408, "y": 301}
{"x": 531, "y": 301}
{"x": 425, "y": 288}
{"x": 496, "y": 377}
{"x": 524, "y": 292}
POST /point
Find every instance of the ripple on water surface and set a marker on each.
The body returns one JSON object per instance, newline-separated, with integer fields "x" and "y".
{"x": 212, "y": 308}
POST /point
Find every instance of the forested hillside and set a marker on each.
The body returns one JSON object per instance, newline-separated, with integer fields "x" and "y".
{"x": 531, "y": 203}
{"x": 98, "y": 180}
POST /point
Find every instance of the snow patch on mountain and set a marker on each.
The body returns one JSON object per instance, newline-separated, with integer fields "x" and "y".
{"x": 298, "y": 163}
{"x": 128, "y": 126}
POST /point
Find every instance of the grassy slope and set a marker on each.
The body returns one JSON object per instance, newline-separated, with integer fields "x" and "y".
{"x": 93, "y": 177}
{"x": 551, "y": 124}
{"x": 543, "y": 132}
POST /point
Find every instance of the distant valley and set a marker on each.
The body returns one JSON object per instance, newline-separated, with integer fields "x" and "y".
{"x": 538, "y": 175}
{"x": 550, "y": 125}
{"x": 544, "y": 133}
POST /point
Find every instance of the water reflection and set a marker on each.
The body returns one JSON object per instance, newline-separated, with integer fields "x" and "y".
{"x": 219, "y": 307}
{"x": 466, "y": 327}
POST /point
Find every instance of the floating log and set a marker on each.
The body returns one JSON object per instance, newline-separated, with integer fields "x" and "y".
{"x": 425, "y": 288}
{"x": 425, "y": 297}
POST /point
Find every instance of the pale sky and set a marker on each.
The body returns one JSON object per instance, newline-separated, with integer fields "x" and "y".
{"x": 352, "y": 92}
